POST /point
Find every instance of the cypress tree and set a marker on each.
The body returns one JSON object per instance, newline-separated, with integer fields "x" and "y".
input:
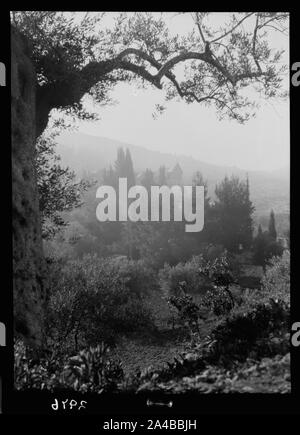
{"x": 147, "y": 179}
{"x": 259, "y": 231}
{"x": 234, "y": 213}
{"x": 129, "y": 169}
{"x": 249, "y": 209}
{"x": 272, "y": 226}
{"x": 162, "y": 176}
{"x": 120, "y": 164}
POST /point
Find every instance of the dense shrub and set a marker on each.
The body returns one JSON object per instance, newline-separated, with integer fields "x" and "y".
{"x": 211, "y": 252}
{"x": 276, "y": 280}
{"x": 188, "y": 311}
{"x": 90, "y": 370}
{"x": 29, "y": 373}
{"x": 139, "y": 278}
{"x": 219, "y": 271}
{"x": 264, "y": 248}
{"x": 171, "y": 277}
{"x": 252, "y": 330}
{"x": 218, "y": 301}
{"x": 275, "y": 284}
{"x": 94, "y": 299}
{"x": 211, "y": 279}
{"x": 199, "y": 274}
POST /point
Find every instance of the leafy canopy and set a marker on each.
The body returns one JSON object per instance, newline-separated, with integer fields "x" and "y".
{"x": 216, "y": 62}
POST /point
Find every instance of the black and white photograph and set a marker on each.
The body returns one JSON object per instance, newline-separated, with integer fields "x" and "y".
{"x": 150, "y": 183}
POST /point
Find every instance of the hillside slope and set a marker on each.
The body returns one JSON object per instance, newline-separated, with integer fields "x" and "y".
{"x": 84, "y": 152}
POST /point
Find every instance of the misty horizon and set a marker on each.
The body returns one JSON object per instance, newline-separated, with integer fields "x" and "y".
{"x": 285, "y": 168}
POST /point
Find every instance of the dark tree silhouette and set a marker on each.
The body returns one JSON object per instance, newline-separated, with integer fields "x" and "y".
{"x": 130, "y": 175}
{"x": 272, "y": 226}
{"x": 234, "y": 213}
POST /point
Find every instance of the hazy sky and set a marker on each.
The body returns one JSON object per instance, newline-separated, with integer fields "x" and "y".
{"x": 262, "y": 143}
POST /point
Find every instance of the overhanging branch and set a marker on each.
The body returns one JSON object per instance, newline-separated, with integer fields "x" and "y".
{"x": 64, "y": 93}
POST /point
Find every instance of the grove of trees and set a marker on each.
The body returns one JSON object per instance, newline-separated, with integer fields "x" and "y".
{"x": 228, "y": 219}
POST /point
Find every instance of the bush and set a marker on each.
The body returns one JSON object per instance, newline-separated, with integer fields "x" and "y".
{"x": 264, "y": 248}
{"x": 89, "y": 371}
{"x": 211, "y": 279}
{"x": 171, "y": 277}
{"x": 92, "y": 371}
{"x": 139, "y": 278}
{"x": 218, "y": 301}
{"x": 95, "y": 299}
{"x": 27, "y": 372}
{"x": 249, "y": 331}
{"x": 275, "y": 284}
{"x": 276, "y": 280}
{"x": 211, "y": 252}
{"x": 188, "y": 311}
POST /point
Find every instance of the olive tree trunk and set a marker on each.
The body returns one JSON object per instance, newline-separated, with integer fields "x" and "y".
{"x": 29, "y": 284}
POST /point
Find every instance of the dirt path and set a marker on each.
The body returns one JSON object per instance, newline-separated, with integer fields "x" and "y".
{"x": 136, "y": 354}
{"x": 155, "y": 349}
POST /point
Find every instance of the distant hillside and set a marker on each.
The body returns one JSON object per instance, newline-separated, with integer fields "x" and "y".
{"x": 85, "y": 152}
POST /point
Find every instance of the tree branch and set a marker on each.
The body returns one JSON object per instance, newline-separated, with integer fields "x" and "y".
{"x": 199, "y": 28}
{"x": 254, "y": 43}
{"x": 233, "y": 28}
{"x": 65, "y": 93}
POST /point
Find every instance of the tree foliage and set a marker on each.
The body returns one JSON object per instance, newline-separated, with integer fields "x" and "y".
{"x": 264, "y": 248}
{"x": 75, "y": 55}
{"x": 234, "y": 213}
{"x": 272, "y": 226}
{"x": 58, "y": 189}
